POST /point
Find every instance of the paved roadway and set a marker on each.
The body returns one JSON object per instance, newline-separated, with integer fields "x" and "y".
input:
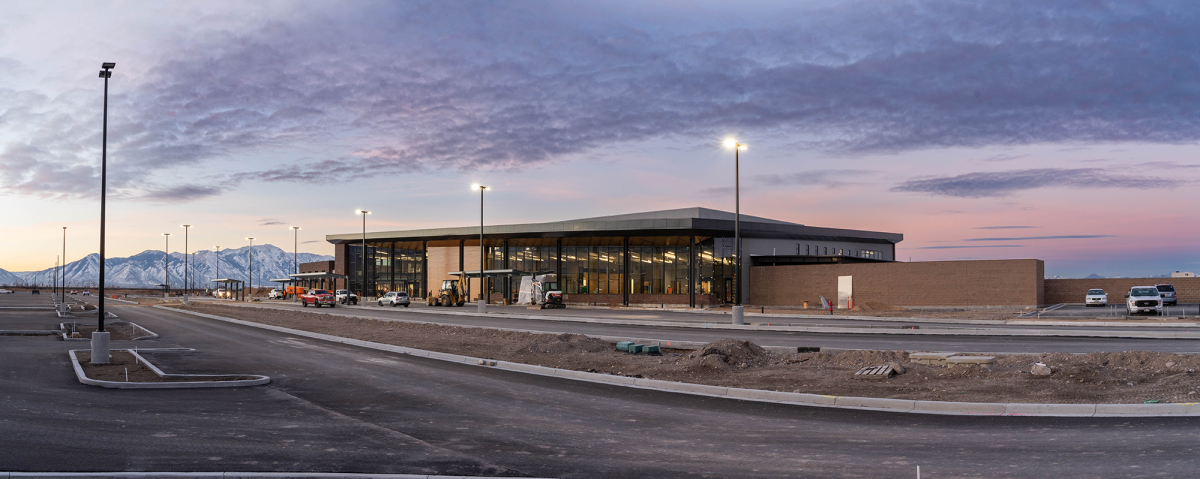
{"x": 989, "y": 344}
{"x": 332, "y": 407}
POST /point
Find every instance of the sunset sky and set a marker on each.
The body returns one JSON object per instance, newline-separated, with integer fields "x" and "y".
{"x": 1065, "y": 131}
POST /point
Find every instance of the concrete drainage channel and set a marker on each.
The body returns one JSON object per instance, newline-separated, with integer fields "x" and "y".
{"x": 798, "y": 399}
{"x": 181, "y": 380}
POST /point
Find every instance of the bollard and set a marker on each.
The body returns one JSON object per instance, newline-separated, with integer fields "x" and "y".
{"x": 482, "y": 306}
{"x": 100, "y": 347}
{"x": 738, "y": 315}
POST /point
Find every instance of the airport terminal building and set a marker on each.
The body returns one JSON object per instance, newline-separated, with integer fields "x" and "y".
{"x": 675, "y": 257}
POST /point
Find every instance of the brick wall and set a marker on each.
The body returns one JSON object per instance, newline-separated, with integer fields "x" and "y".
{"x": 317, "y": 267}
{"x": 930, "y": 283}
{"x": 1073, "y": 290}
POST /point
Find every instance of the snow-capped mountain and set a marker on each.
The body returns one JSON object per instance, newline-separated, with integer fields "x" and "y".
{"x": 147, "y": 268}
{"x": 7, "y": 278}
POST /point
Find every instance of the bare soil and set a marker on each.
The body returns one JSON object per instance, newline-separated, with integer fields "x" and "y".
{"x": 1124, "y": 377}
{"x": 122, "y": 363}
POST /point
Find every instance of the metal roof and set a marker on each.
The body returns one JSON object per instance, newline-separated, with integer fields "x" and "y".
{"x": 677, "y": 222}
{"x": 301, "y": 276}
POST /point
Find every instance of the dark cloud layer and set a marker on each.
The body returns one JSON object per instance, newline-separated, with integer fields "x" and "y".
{"x": 1042, "y": 238}
{"x": 468, "y": 85}
{"x": 1004, "y": 183}
{"x": 1004, "y": 227}
{"x": 979, "y": 246}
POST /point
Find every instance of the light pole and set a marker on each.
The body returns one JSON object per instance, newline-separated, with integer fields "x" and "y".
{"x": 63, "y": 289}
{"x": 100, "y": 337}
{"x": 483, "y": 299}
{"x": 54, "y": 279}
{"x": 186, "y": 286}
{"x": 166, "y": 264}
{"x": 295, "y": 258}
{"x": 219, "y": 267}
{"x": 362, "y": 295}
{"x": 251, "y": 277}
{"x": 738, "y": 317}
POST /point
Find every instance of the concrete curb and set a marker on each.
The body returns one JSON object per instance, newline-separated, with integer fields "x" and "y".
{"x": 259, "y": 379}
{"x": 228, "y": 475}
{"x": 777, "y": 397}
{"x": 827, "y": 329}
{"x": 149, "y": 334}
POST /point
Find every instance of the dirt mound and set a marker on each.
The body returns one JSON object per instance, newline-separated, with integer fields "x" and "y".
{"x": 566, "y": 343}
{"x": 857, "y": 358}
{"x": 729, "y": 353}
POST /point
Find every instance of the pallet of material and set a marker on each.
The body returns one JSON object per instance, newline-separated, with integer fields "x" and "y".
{"x": 875, "y": 372}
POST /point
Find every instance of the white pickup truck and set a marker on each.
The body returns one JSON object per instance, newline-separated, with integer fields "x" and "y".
{"x": 346, "y": 297}
{"x": 276, "y": 294}
{"x": 1143, "y": 299}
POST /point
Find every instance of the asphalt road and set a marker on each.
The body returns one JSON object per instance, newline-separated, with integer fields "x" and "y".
{"x": 981, "y": 344}
{"x": 336, "y": 408}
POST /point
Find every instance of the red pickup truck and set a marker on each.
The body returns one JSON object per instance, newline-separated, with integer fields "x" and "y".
{"x": 317, "y": 297}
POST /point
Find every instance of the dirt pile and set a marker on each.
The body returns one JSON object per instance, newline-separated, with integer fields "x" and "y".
{"x": 875, "y": 306}
{"x": 728, "y": 353}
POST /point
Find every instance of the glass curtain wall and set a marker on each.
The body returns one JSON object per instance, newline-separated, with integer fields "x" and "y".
{"x": 659, "y": 269}
{"x": 593, "y": 269}
{"x": 390, "y": 267}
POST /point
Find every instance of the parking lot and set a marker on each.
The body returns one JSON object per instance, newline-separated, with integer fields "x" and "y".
{"x": 1115, "y": 311}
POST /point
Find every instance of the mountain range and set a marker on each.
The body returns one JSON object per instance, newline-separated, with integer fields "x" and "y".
{"x": 146, "y": 269}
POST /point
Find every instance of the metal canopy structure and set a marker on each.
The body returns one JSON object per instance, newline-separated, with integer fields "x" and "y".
{"x": 311, "y": 280}
{"x": 497, "y": 273}
{"x": 233, "y": 287}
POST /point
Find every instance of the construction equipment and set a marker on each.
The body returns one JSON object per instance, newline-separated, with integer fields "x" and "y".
{"x": 451, "y": 294}
{"x": 541, "y": 290}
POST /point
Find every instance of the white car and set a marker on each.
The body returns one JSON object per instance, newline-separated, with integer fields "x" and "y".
{"x": 6, "y": 291}
{"x": 1143, "y": 299}
{"x": 87, "y": 293}
{"x": 394, "y": 298}
{"x": 1096, "y": 297}
{"x": 276, "y": 294}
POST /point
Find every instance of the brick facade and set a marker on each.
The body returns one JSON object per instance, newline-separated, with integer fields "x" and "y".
{"x": 1073, "y": 290}
{"x": 317, "y": 267}
{"x": 933, "y": 283}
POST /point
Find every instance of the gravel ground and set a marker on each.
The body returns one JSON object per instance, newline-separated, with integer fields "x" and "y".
{"x": 1124, "y": 377}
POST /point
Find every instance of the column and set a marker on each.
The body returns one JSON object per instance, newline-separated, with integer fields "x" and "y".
{"x": 625, "y": 267}
{"x": 692, "y": 272}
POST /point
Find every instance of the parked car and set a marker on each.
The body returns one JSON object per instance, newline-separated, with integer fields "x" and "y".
{"x": 1143, "y": 299}
{"x": 220, "y": 293}
{"x": 74, "y": 292}
{"x": 87, "y": 293}
{"x": 35, "y": 292}
{"x": 1167, "y": 293}
{"x": 276, "y": 294}
{"x": 394, "y": 298}
{"x": 318, "y": 297}
{"x": 1096, "y": 297}
{"x": 6, "y": 291}
{"x": 346, "y": 297}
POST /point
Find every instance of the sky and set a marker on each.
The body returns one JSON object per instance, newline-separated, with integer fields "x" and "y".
{"x": 1066, "y": 131}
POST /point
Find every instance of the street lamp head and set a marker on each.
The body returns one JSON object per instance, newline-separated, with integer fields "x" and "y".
{"x": 295, "y": 227}
{"x": 732, "y": 143}
{"x": 362, "y": 212}
{"x": 108, "y": 65}
{"x": 480, "y": 187}
{"x": 251, "y": 238}
{"x": 166, "y": 234}
{"x": 185, "y": 226}
{"x": 105, "y": 74}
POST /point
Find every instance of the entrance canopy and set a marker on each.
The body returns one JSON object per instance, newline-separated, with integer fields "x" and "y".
{"x": 233, "y": 288}
{"x": 498, "y": 273}
{"x": 315, "y": 276}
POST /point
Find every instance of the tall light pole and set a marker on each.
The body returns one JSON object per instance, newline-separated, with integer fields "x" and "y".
{"x": 54, "y": 278}
{"x": 186, "y": 286}
{"x": 166, "y": 265}
{"x": 100, "y": 347}
{"x": 737, "y": 232}
{"x": 63, "y": 289}
{"x": 483, "y": 292}
{"x": 362, "y": 295}
{"x": 251, "y": 277}
{"x": 219, "y": 267}
{"x": 295, "y": 258}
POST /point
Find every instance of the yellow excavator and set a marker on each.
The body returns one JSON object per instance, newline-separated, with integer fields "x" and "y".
{"x": 451, "y": 294}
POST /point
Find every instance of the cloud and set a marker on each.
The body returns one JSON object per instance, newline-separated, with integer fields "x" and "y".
{"x": 181, "y": 193}
{"x": 1004, "y": 227}
{"x": 829, "y": 178}
{"x": 270, "y": 222}
{"x": 1005, "y": 183}
{"x": 311, "y": 241}
{"x": 1043, "y": 238}
{"x": 467, "y": 86}
{"x": 980, "y": 246}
